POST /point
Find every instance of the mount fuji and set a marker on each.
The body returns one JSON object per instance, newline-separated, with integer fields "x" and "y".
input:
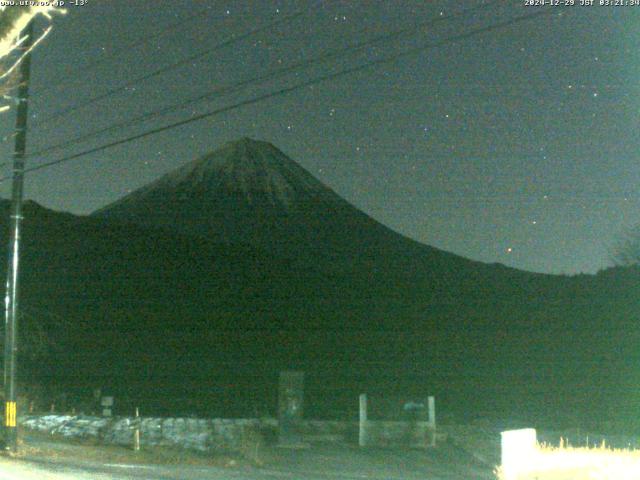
{"x": 250, "y": 192}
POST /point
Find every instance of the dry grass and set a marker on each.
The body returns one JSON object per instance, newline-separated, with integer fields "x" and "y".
{"x": 577, "y": 463}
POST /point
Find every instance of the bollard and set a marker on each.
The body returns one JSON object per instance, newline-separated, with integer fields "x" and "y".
{"x": 136, "y": 432}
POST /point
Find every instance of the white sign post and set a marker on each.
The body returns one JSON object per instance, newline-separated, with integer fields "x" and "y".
{"x": 431, "y": 404}
{"x": 362, "y": 437}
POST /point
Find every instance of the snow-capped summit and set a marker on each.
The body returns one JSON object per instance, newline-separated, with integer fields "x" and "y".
{"x": 247, "y": 191}
{"x": 254, "y": 169}
{"x": 250, "y": 192}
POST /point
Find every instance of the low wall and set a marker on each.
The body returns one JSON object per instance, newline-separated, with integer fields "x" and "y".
{"x": 378, "y": 432}
{"x": 191, "y": 433}
{"x": 411, "y": 434}
{"x": 222, "y": 435}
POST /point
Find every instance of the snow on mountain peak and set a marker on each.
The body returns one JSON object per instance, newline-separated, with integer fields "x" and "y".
{"x": 245, "y": 166}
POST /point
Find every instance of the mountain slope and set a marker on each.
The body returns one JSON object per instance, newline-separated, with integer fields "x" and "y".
{"x": 250, "y": 192}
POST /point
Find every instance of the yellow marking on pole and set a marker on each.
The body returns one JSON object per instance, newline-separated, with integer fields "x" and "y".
{"x": 10, "y": 414}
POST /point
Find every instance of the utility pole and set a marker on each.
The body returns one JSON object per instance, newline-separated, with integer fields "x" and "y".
{"x": 11, "y": 299}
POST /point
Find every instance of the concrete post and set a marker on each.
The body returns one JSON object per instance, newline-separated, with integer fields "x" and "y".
{"x": 431, "y": 404}
{"x": 362, "y": 437}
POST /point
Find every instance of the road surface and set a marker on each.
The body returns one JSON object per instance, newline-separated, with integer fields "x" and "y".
{"x": 322, "y": 462}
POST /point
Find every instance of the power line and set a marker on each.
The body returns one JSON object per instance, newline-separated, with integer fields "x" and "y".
{"x": 62, "y": 81}
{"x": 286, "y": 90}
{"x": 273, "y": 74}
{"x": 293, "y": 88}
{"x": 160, "y": 71}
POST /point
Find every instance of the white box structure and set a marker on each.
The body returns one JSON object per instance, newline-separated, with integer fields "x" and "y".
{"x": 519, "y": 451}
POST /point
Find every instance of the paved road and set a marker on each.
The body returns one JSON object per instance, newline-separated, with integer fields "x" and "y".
{"x": 318, "y": 463}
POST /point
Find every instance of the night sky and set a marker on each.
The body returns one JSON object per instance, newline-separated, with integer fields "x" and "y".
{"x": 519, "y": 145}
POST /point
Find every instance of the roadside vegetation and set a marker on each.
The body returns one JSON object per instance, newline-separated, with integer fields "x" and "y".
{"x": 566, "y": 462}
